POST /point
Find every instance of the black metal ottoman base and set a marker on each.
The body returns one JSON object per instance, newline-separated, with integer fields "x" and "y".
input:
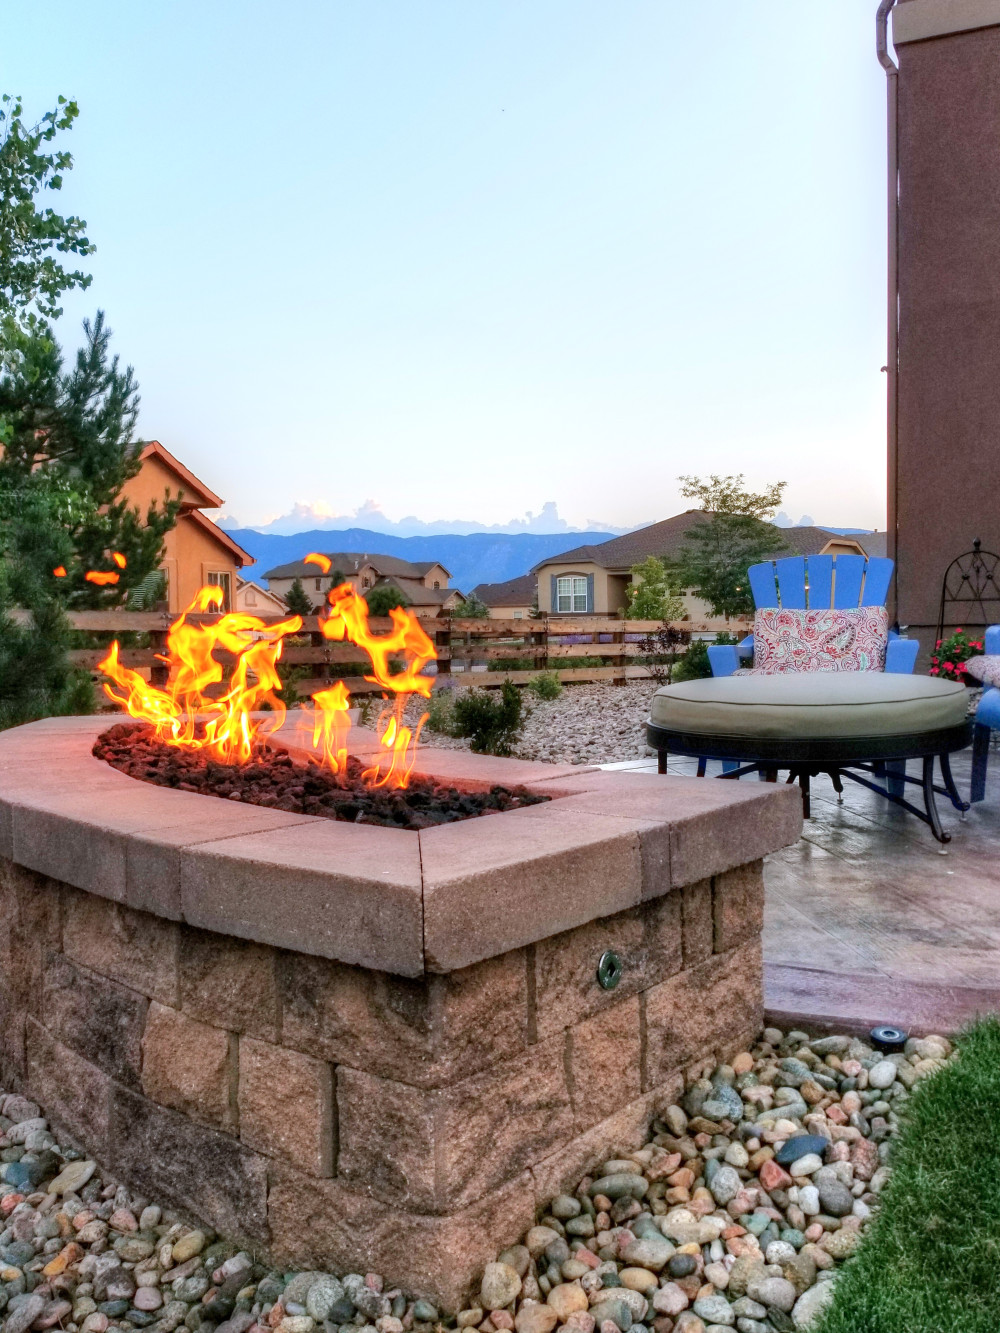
{"x": 877, "y": 756}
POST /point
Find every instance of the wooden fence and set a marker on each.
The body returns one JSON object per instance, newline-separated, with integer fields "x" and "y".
{"x": 464, "y": 647}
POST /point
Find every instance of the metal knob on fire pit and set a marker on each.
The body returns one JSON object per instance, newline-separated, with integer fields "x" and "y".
{"x": 609, "y": 970}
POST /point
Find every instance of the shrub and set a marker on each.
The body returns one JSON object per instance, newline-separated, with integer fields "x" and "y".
{"x": 511, "y": 663}
{"x": 471, "y": 608}
{"x": 385, "y": 598}
{"x": 547, "y": 685}
{"x": 491, "y": 724}
{"x": 695, "y": 665}
{"x": 440, "y": 713}
{"x": 951, "y": 655}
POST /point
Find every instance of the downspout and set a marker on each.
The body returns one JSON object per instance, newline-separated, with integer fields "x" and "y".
{"x": 892, "y": 355}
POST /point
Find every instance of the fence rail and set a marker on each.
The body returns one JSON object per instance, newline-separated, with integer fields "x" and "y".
{"x": 465, "y": 648}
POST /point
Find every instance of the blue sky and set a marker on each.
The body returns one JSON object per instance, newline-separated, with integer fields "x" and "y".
{"x": 465, "y": 256}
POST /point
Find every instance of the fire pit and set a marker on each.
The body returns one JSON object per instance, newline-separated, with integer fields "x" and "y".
{"x": 363, "y": 1047}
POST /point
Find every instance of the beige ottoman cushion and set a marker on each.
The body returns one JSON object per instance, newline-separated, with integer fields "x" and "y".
{"x": 811, "y": 705}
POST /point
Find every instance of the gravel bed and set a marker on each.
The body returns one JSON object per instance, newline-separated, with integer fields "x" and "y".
{"x": 588, "y": 724}
{"x": 735, "y": 1214}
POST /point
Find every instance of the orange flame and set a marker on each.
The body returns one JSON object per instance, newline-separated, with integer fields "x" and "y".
{"x": 195, "y": 710}
{"x": 60, "y": 571}
{"x": 101, "y": 577}
{"x": 315, "y": 558}
{"x": 119, "y": 559}
{"x": 348, "y": 619}
{"x": 228, "y": 729}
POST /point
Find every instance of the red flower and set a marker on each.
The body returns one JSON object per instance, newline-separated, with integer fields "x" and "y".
{"x": 934, "y": 671}
{"x": 947, "y": 666}
{"x": 935, "y": 660}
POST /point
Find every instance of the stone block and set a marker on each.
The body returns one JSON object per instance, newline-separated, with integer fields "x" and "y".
{"x": 605, "y": 1063}
{"x": 496, "y": 884}
{"x": 717, "y": 826}
{"x": 95, "y": 1017}
{"x": 229, "y": 983}
{"x": 704, "y": 1008}
{"x": 345, "y": 891}
{"x": 135, "y": 948}
{"x": 647, "y": 941}
{"x": 74, "y": 1092}
{"x": 627, "y": 1128}
{"x": 697, "y": 918}
{"x": 427, "y": 1032}
{"x": 329, "y": 1224}
{"x": 286, "y": 1106}
{"x": 738, "y": 906}
{"x": 433, "y": 1151}
{"x": 199, "y": 1170}
{"x": 190, "y": 1066}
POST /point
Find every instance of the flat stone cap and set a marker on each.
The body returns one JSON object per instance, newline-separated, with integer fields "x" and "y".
{"x": 386, "y": 899}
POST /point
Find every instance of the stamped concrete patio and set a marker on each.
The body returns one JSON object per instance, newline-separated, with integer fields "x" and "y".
{"x": 867, "y": 919}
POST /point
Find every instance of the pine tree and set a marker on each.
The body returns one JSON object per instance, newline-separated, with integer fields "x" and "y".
{"x": 649, "y": 596}
{"x": 298, "y": 600}
{"x": 385, "y": 598}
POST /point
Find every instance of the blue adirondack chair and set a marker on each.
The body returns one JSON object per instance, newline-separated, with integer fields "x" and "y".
{"x": 987, "y": 720}
{"x": 811, "y": 582}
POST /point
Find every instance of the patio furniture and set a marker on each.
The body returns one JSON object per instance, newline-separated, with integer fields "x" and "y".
{"x": 987, "y": 719}
{"x": 818, "y": 582}
{"x": 845, "y": 724}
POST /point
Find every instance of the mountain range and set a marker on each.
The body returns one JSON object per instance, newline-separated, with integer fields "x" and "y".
{"x": 478, "y": 557}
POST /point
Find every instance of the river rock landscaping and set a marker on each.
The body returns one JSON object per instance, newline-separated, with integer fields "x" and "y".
{"x": 737, "y": 1214}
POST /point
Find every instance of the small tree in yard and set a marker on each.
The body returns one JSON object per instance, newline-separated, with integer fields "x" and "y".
{"x": 493, "y": 725}
{"x": 384, "y": 599}
{"x": 472, "y": 609}
{"x": 298, "y": 600}
{"x": 649, "y": 596}
{"x": 735, "y": 534}
{"x": 66, "y": 442}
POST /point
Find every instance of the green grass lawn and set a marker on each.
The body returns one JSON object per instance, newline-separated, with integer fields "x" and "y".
{"x": 930, "y": 1262}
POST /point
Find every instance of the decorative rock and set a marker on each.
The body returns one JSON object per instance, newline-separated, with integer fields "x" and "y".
{"x": 806, "y": 1165}
{"x": 776, "y": 1291}
{"x": 613, "y": 1311}
{"x": 670, "y": 1299}
{"x": 798, "y": 1146}
{"x": 188, "y": 1246}
{"x": 534, "y": 1318}
{"x": 566, "y": 1299}
{"x": 322, "y": 1296}
{"x": 501, "y": 1284}
{"x": 619, "y": 1185}
{"x": 147, "y": 1299}
{"x": 72, "y": 1178}
{"x": 716, "y": 1310}
{"x": 882, "y": 1075}
{"x": 726, "y": 1185}
{"x": 809, "y": 1305}
{"x": 835, "y": 1199}
{"x": 652, "y": 1252}
{"x": 638, "y": 1279}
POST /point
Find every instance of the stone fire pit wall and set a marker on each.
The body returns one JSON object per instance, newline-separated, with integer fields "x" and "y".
{"x": 363, "y": 1048}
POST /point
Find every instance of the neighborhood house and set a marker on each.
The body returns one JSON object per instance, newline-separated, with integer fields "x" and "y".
{"x": 196, "y": 550}
{"x": 424, "y": 584}
{"x": 513, "y": 600}
{"x": 592, "y": 580}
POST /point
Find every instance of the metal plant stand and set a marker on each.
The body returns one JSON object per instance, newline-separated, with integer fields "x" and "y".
{"x": 970, "y": 593}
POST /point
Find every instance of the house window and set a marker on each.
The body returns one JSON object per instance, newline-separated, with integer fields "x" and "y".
{"x": 437, "y": 583}
{"x": 223, "y": 581}
{"x": 318, "y": 582}
{"x": 517, "y": 615}
{"x": 366, "y": 583}
{"x": 571, "y": 593}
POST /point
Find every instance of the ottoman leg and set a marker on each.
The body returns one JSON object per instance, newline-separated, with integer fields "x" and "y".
{"x": 930, "y": 805}
{"x": 894, "y": 780}
{"x": 980, "y": 759}
{"x": 661, "y": 761}
{"x": 804, "y": 788}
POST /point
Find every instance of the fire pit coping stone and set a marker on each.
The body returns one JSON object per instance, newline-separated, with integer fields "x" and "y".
{"x": 392, "y": 900}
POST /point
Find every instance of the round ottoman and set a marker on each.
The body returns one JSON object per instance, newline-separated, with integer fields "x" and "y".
{"x": 819, "y": 722}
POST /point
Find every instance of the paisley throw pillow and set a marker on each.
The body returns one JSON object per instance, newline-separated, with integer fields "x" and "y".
{"x": 828, "y": 640}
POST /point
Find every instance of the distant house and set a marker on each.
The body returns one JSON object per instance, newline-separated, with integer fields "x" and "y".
{"x": 591, "y": 580}
{"x": 196, "y": 550}
{"x": 257, "y": 601}
{"x": 513, "y": 600}
{"x": 424, "y": 583}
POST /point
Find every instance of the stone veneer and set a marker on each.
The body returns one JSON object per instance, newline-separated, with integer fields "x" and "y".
{"x": 363, "y": 1048}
